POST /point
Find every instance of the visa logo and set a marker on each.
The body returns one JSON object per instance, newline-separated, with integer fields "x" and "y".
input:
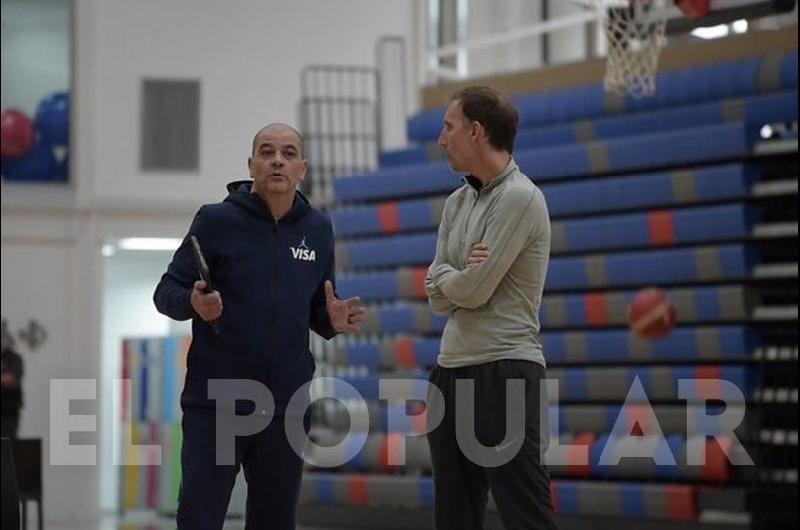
{"x": 303, "y": 254}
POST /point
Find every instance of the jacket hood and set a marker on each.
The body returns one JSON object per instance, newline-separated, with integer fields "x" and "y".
{"x": 240, "y": 192}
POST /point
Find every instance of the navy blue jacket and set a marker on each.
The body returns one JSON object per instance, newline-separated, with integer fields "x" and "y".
{"x": 271, "y": 277}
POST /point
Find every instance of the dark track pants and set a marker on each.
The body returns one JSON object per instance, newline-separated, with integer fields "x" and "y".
{"x": 521, "y": 487}
{"x": 272, "y": 469}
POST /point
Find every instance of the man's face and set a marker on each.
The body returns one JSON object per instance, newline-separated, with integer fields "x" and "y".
{"x": 456, "y": 137}
{"x": 277, "y": 164}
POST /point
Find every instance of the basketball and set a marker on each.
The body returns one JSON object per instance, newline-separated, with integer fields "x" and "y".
{"x": 651, "y": 314}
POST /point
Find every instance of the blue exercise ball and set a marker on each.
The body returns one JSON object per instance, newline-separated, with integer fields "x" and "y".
{"x": 62, "y": 170}
{"x": 39, "y": 165}
{"x": 52, "y": 118}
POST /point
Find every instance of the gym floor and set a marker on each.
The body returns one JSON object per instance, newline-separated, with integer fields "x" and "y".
{"x": 113, "y": 523}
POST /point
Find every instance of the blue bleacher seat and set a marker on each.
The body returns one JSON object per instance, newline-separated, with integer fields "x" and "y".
{"x": 647, "y": 151}
{"x": 660, "y": 383}
{"x": 788, "y": 72}
{"x": 758, "y": 109}
{"x": 563, "y": 199}
{"x": 730, "y": 343}
{"x": 662, "y": 267}
{"x": 688, "y": 342}
{"x": 693, "y": 84}
{"x": 657, "y": 229}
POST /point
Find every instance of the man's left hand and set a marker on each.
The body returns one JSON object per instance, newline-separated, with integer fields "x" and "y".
{"x": 9, "y": 380}
{"x": 345, "y": 315}
{"x": 479, "y": 254}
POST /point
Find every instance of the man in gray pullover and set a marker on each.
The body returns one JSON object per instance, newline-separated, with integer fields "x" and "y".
{"x": 488, "y": 275}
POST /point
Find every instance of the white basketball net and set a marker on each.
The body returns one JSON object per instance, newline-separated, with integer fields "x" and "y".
{"x": 635, "y": 34}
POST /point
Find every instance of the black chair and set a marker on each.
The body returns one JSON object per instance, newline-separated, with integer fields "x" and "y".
{"x": 28, "y": 463}
{"x": 10, "y": 496}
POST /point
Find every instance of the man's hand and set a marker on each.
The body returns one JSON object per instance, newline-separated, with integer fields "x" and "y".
{"x": 479, "y": 254}
{"x": 208, "y": 306}
{"x": 345, "y": 315}
{"x": 9, "y": 380}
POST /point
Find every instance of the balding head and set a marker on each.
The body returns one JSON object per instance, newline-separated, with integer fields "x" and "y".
{"x": 278, "y": 128}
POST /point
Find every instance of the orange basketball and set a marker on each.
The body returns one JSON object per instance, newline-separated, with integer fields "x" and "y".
{"x": 651, "y": 314}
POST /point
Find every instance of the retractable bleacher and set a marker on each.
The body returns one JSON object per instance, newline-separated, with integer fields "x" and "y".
{"x": 685, "y": 191}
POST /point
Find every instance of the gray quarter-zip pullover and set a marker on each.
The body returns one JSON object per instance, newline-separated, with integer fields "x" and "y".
{"x": 493, "y": 307}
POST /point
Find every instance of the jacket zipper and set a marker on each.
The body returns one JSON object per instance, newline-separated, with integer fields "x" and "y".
{"x": 469, "y": 217}
{"x": 274, "y": 282}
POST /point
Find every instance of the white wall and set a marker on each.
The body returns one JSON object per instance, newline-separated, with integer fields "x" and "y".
{"x": 35, "y": 51}
{"x": 49, "y": 273}
{"x": 248, "y": 59}
{"x": 39, "y": 294}
{"x": 53, "y": 271}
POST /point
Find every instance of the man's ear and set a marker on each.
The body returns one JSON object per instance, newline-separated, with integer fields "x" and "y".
{"x": 476, "y": 131}
{"x": 305, "y": 170}
{"x": 250, "y": 166}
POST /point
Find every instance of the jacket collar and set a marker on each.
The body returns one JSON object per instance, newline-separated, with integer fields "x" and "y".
{"x": 478, "y": 186}
{"x": 239, "y": 193}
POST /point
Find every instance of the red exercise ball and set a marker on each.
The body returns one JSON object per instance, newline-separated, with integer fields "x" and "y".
{"x": 651, "y": 314}
{"x": 18, "y": 134}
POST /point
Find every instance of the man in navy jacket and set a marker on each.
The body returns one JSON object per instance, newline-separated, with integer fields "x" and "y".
{"x": 271, "y": 257}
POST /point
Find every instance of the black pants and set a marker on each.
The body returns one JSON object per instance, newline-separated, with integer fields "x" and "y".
{"x": 10, "y": 494}
{"x": 272, "y": 469}
{"x": 521, "y": 487}
{"x": 9, "y": 425}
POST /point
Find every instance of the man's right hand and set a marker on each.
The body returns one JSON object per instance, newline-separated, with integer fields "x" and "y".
{"x": 208, "y": 306}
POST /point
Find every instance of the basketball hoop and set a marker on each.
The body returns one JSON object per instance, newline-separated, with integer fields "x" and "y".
{"x": 634, "y": 31}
